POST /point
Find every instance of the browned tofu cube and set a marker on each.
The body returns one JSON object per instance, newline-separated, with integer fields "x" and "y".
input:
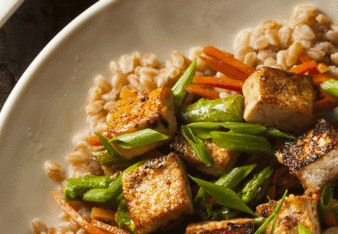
{"x": 134, "y": 112}
{"x": 158, "y": 193}
{"x": 313, "y": 156}
{"x": 280, "y": 99}
{"x": 222, "y": 159}
{"x": 295, "y": 209}
{"x": 232, "y": 226}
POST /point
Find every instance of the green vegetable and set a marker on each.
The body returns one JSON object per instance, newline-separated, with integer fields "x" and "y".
{"x": 274, "y": 132}
{"x": 197, "y": 145}
{"x": 254, "y": 189}
{"x": 76, "y": 187}
{"x": 228, "y": 180}
{"x": 268, "y": 220}
{"x": 105, "y": 195}
{"x": 325, "y": 199}
{"x": 203, "y": 129}
{"x": 242, "y": 142}
{"x": 220, "y": 110}
{"x": 334, "y": 210}
{"x": 123, "y": 218}
{"x": 132, "y": 167}
{"x": 185, "y": 79}
{"x": 251, "y": 192}
{"x": 275, "y": 217}
{"x": 302, "y": 229}
{"x": 330, "y": 86}
{"x": 106, "y": 159}
{"x": 224, "y": 196}
{"x": 258, "y": 221}
{"x": 138, "y": 138}
{"x": 108, "y": 146}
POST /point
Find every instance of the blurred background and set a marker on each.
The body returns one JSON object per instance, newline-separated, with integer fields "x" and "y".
{"x": 27, "y": 32}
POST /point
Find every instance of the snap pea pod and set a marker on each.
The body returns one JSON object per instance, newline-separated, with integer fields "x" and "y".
{"x": 330, "y": 86}
{"x": 251, "y": 192}
{"x": 76, "y": 187}
{"x": 220, "y": 110}
{"x": 106, "y": 159}
{"x": 105, "y": 195}
{"x": 123, "y": 218}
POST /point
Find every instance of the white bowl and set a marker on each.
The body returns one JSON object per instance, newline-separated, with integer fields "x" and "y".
{"x": 46, "y": 107}
{"x": 7, "y": 9}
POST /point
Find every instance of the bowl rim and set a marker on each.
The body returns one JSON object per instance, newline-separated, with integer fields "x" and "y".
{"x": 29, "y": 75}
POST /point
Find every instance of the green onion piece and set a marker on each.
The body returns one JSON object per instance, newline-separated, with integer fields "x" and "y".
{"x": 235, "y": 176}
{"x": 275, "y": 216}
{"x": 106, "y": 159}
{"x": 258, "y": 221}
{"x": 302, "y": 229}
{"x": 138, "y": 138}
{"x": 229, "y": 180}
{"x": 242, "y": 142}
{"x": 330, "y": 86}
{"x": 224, "y": 196}
{"x": 325, "y": 199}
{"x": 185, "y": 79}
{"x": 228, "y": 109}
{"x": 197, "y": 145}
{"x": 132, "y": 167}
{"x": 108, "y": 146}
{"x": 268, "y": 220}
{"x": 274, "y": 132}
{"x": 123, "y": 218}
{"x": 203, "y": 129}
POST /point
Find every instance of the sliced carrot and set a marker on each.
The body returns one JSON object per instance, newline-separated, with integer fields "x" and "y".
{"x": 322, "y": 68}
{"x": 225, "y": 58}
{"x": 69, "y": 210}
{"x": 308, "y": 67}
{"x": 94, "y": 141}
{"x": 323, "y": 106}
{"x": 107, "y": 228}
{"x": 304, "y": 58}
{"x": 220, "y": 82}
{"x": 202, "y": 91}
{"x": 225, "y": 68}
{"x": 319, "y": 78}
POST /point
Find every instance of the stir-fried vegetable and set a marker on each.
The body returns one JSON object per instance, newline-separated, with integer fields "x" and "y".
{"x": 302, "y": 229}
{"x": 228, "y": 180}
{"x": 197, "y": 145}
{"x": 138, "y": 138}
{"x": 202, "y": 90}
{"x": 330, "y": 86}
{"x": 224, "y": 196}
{"x": 325, "y": 199}
{"x": 123, "y": 218}
{"x": 251, "y": 192}
{"x": 220, "y": 110}
{"x": 186, "y": 78}
{"x": 220, "y": 82}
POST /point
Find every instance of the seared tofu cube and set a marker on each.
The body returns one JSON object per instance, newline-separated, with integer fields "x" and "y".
{"x": 295, "y": 209}
{"x": 232, "y": 226}
{"x": 313, "y": 156}
{"x": 222, "y": 159}
{"x": 280, "y": 99}
{"x": 158, "y": 193}
{"x": 134, "y": 112}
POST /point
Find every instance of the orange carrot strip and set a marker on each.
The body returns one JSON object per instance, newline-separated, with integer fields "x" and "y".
{"x": 202, "y": 91}
{"x": 75, "y": 215}
{"x": 322, "y": 106}
{"x": 107, "y": 228}
{"x": 309, "y": 67}
{"x": 224, "y": 68}
{"x": 94, "y": 141}
{"x": 220, "y": 82}
{"x": 225, "y": 58}
{"x": 322, "y": 68}
{"x": 304, "y": 58}
{"x": 319, "y": 78}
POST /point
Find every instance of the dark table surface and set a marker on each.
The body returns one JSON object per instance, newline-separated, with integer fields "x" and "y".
{"x": 27, "y": 32}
